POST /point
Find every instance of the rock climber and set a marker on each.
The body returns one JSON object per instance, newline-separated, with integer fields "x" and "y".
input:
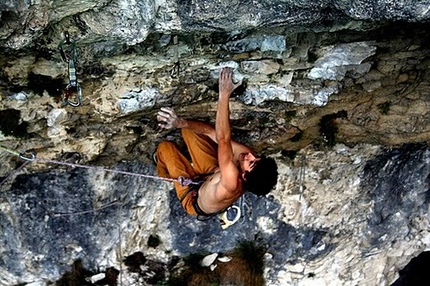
{"x": 226, "y": 168}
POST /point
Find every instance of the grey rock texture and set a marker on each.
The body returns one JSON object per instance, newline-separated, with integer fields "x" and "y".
{"x": 358, "y": 208}
{"x": 112, "y": 23}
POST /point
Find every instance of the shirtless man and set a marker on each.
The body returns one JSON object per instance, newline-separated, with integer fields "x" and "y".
{"x": 226, "y": 168}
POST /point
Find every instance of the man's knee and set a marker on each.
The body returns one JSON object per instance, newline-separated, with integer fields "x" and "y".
{"x": 166, "y": 146}
{"x": 191, "y": 136}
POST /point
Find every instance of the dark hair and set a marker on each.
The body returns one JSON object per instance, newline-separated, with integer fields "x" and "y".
{"x": 262, "y": 178}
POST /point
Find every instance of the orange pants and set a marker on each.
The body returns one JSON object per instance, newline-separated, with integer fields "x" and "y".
{"x": 172, "y": 163}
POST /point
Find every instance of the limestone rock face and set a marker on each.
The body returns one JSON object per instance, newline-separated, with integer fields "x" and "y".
{"x": 130, "y": 22}
{"x": 358, "y": 216}
{"x": 336, "y": 91}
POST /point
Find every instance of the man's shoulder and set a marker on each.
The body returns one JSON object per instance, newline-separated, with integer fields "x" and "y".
{"x": 214, "y": 197}
{"x": 240, "y": 148}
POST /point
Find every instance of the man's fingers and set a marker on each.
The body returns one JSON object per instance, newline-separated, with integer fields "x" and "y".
{"x": 226, "y": 73}
{"x": 165, "y": 125}
{"x": 167, "y": 117}
{"x": 163, "y": 114}
{"x": 168, "y": 110}
{"x": 167, "y": 114}
{"x": 165, "y": 109}
{"x": 161, "y": 118}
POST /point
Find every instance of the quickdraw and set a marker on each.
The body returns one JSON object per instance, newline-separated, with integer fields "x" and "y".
{"x": 71, "y": 57}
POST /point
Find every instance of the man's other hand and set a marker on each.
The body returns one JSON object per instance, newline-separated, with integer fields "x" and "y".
{"x": 168, "y": 118}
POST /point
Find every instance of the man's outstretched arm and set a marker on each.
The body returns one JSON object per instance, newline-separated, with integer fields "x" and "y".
{"x": 229, "y": 171}
{"x": 169, "y": 120}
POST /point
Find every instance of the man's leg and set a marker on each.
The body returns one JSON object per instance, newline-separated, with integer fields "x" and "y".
{"x": 172, "y": 164}
{"x": 203, "y": 151}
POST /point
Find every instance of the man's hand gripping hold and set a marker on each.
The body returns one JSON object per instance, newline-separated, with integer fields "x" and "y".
{"x": 168, "y": 118}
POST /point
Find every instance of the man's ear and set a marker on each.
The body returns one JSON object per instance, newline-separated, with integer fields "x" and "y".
{"x": 244, "y": 175}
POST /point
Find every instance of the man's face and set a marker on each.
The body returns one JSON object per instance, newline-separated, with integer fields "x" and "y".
{"x": 247, "y": 161}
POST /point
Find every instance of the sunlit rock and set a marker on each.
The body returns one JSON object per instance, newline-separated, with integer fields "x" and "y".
{"x": 337, "y": 61}
{"x": 135, "y": 101}
{"x": 21, "y": 96}
{"x": 264, "y": 43}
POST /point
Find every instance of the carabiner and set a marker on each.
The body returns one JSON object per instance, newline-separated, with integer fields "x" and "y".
{"x": 72, "y": 51}
{"x": 23, "y": 156}
{"x": 68, "y": 92}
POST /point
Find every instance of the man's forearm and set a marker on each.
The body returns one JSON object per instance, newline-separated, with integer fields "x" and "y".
{"x": 222, "y": 127}
{"x": 199, "y": 127}
{"x": 226, "y": 88}
{"x": 169, "y": 119}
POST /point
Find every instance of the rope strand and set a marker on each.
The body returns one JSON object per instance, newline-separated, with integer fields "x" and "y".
{"x": 32, "y": 157}
{"x": 103, "y": 169}
{"x": 60, "y": 214}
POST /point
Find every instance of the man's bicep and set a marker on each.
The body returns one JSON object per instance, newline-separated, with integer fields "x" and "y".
{"x": 229, "y": 171}
{"x": 240, "y": 148}
{"x": 212, "y": 135}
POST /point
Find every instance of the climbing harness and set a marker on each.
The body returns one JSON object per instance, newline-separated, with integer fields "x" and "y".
{"x": 174, "y": 73}
{"x": 32, "y": 157}
{"x": 71, "y": 57}
{"x": 302, "y": 176}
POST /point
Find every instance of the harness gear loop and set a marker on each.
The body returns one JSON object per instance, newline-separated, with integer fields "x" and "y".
{"x": 226, "y": 220}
